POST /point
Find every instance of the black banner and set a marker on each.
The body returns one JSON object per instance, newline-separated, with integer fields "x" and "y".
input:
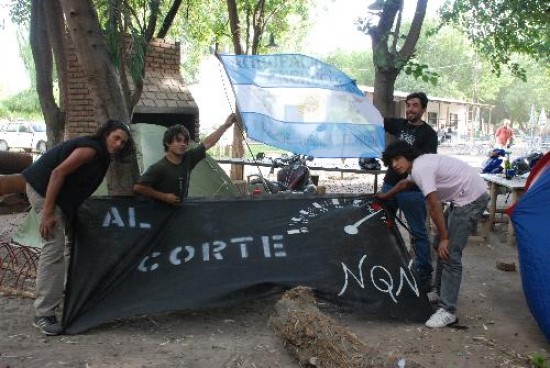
{"x": 134, "y": 257}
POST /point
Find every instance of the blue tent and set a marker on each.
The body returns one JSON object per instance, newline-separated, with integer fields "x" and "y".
{"x": 531, "y": 222}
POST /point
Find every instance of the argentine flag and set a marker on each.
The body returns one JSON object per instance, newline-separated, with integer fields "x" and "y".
{"x": 302, "y": 105}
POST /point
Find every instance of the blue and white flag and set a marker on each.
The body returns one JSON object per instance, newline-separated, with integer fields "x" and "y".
{"x": 302, "y": 105}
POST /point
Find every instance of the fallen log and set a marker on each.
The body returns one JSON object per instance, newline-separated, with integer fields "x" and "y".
{"x": 317, "y": 340}
{"x": 12, "y": 184}
{"x": 13, "y": 203}
{"x": 14, "y": 162}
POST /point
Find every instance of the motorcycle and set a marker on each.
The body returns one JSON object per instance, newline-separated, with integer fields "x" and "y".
{"x": 523, "y": 165}
{"x": 293, "y": 175}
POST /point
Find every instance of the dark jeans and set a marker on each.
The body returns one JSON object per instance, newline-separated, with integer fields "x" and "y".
{"x": 413, "y": 205}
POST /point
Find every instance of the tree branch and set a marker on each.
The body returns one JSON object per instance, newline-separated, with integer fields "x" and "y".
{"x": 385, "y": 23}
{"x": 42, "y": 54}
{"x": 169, "y": 19}
{"x": 56, "y": 31}
{"x": 135, "y": 16}
{"x": 122, "y": 70}
{"x": 234, "y": 25}
{"x": 257, "y": 25}
{"x": 152, "y": 22}
{"x": 397, "y": 31}
{"x": 414, "y": 33}
{"x": 248, "y": 22}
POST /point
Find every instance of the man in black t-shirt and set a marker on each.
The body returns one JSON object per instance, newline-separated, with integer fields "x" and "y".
{"x": 168, "y": 179}
{"x": 423, "y": 138}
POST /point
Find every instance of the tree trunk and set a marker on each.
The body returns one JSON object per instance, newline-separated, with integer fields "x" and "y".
{"x": 91, "y": 51}
{"x": 384, "y": 85}
{"x": 122, "y": 176}
{"x": 58, "y": 41}
{"x": 237, "y": 148}
{"x": 235, "y": 26}
{"x": 258, "y": 22}
{"x": 317, "y": 340}
{"x": 169, "y": 19}
{"x": 42, "y": 55}
{"x": 388, "y": 61}
{"x": 103, "y": 82}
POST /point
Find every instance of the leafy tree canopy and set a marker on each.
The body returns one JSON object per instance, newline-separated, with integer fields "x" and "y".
{"x": 500, "y": 28}
{"x": 23, "y": 105}
{"x": 463, "y": 74}
{"x": 205, "y": 23}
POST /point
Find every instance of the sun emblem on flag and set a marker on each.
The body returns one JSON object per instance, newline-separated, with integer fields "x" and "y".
{"x": 310, "y": 105}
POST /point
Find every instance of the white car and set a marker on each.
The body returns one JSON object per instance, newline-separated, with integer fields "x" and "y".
{"x": 25, "y": 135}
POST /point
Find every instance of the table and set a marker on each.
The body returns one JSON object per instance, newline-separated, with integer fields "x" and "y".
{"x": 515, "y": 185}
{"x": 312, "y": 167}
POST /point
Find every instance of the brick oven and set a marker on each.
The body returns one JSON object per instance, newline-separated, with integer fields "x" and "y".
{"x": 165, "y": 99}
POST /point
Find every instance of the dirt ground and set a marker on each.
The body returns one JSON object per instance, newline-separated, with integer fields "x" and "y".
{"x": 497, "y": 328}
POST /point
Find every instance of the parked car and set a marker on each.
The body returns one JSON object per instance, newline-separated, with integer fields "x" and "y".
{"x": 25, "y": 135}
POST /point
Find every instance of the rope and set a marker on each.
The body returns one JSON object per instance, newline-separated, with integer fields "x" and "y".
{"x": 403, "y": 224}
{"x": 413, "y": 244}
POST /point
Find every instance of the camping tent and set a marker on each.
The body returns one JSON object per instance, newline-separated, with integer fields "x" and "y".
{"x": 530, "y": 219}
{"x": 208, "y": 179}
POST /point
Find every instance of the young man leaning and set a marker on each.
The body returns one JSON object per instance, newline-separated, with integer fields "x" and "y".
{"x": 442, "y": 178}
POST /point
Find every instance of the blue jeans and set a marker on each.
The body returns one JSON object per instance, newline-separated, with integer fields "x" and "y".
{"x": 460, "y": 223}
{"x": 413, "y": 205}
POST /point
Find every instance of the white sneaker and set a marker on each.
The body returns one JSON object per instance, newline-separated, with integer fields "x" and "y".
{"x": 441, "y": 318}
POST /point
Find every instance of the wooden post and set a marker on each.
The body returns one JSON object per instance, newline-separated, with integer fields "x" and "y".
{"x": 237, "y": 151}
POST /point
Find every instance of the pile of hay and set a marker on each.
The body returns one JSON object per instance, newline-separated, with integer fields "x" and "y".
{"x": 319, "y": 341}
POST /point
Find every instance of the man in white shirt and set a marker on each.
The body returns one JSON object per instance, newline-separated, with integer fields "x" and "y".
{"x": 442, "y": 178}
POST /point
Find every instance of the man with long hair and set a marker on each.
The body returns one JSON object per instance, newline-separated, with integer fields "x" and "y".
{"x": 56, "y": 184}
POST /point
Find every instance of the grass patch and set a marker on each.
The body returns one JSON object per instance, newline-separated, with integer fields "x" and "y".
{"x": 537, "y": 360}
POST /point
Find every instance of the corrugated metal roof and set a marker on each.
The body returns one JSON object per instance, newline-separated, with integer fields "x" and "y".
{"x": 400, "y": 95}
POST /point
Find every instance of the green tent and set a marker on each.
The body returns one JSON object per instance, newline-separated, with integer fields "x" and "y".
{"x": 208, "y": 179}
